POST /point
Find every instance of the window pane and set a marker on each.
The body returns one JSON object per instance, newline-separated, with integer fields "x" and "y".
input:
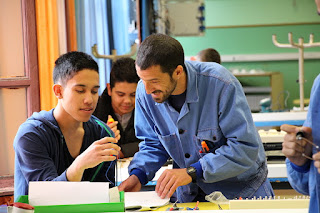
{"x": 11, "y": 39}
{"x": 13, "y": 112}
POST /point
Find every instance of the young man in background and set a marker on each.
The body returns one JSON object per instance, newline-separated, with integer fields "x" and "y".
{"x": 118, "y": 101}
{"x": 209, "y": 55}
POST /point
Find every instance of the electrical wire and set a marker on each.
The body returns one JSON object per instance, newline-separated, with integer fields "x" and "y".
{"x": 300, "y": 136}
{"x": 101, "y": 164}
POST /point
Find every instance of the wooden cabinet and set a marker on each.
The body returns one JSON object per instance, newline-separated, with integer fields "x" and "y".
{"x": 6, "y": 200}
{"x": 6, "y": 189}
{"x": 272, "y": 87}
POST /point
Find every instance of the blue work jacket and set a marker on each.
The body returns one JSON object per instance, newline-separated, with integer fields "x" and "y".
{"x": 215, "y": 111}
{"x": 306, "y": 179}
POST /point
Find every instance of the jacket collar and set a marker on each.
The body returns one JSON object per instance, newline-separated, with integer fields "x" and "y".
{"x": 192, "y": 85}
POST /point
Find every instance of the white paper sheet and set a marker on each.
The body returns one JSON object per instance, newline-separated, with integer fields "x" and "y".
{"x": 64, "y": 192}
{"x": 149, "y": 199}
{"x": 114, "y": 196}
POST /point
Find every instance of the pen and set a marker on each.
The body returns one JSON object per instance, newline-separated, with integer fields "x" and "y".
{"x": 196, "y": 207}
{"x": 205, "y": 147}
{"x": 110, "y": 121}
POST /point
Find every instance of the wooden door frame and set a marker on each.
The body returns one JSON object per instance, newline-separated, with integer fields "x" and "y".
{"x": 30, "y": 51}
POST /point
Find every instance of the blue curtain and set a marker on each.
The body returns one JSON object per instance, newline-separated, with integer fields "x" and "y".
{"x": 92, "y": 28}
{"x": 121, "y": 22}
{"x": 105, "y": 23}
{"x": 145, "y": 30}
{"x": 147, "y": 18}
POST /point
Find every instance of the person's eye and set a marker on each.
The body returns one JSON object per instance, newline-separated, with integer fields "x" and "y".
{"x": 133, "y": 95}
{"x": 94, "y": 92}
{"x": 80, "y": 91}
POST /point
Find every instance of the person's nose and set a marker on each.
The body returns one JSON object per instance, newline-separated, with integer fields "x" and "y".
{"x": 88, "y": 99}
{"x": 127, "y": 99}
{"x": 148, "y": 87}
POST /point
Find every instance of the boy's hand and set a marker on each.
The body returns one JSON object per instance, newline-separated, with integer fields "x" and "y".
{"x": 113, "y": 126}
{"x": 102, "y": 150}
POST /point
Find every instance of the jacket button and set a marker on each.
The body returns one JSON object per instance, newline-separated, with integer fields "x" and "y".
{"x": 181, "y": 131}
{"x": 187, "y": 155}
{"x": 214, "y": 138}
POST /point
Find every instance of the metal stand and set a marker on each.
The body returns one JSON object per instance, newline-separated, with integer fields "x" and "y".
{"x": 301, "y": 47}
{"x": 114, "y": 55}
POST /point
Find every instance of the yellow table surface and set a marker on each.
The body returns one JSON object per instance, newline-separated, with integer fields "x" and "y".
{"x": 202, "y": 206}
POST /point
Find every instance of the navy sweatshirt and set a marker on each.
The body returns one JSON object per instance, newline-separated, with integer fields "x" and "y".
{"x": 41, "y": 153}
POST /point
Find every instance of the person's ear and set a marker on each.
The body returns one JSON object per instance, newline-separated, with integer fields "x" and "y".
{"x": 109, "y": 89}
{"x": 178, "y": 71}
{"x": 57, "y": 89}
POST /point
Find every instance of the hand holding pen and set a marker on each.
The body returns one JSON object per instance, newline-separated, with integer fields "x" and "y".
{"x": 297, "y": 144}
{"x": 113, "y": 126}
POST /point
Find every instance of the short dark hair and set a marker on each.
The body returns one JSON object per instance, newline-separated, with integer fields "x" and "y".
{"x": 69, "y": 64}
{"x": 123, "y": 70}
{"x": 160, "y": 49}
{"x": 209, "y": 55}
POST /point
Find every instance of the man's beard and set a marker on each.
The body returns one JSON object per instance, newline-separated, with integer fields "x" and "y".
{"x": 167, "y": 94}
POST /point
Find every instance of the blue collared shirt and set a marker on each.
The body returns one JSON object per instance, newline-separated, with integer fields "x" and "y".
{"x": 215, "y": 111}
{"x": 306, "y": 179}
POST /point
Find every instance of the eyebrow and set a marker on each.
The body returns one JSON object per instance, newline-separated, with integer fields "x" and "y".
{"x": 83, "y": 85}
{"x": 153, "y": 79}
{"x": 120, "y": 92}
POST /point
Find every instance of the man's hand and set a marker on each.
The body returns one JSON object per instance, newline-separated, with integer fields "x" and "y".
{"x": 131, "y": 184}
{"x": 318, "y": 5}
{"x": 170, "y": 180}
{"x": 316, "y": 158}
{"x": 113, "y": 126}
{"x": 293, "y": 148}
